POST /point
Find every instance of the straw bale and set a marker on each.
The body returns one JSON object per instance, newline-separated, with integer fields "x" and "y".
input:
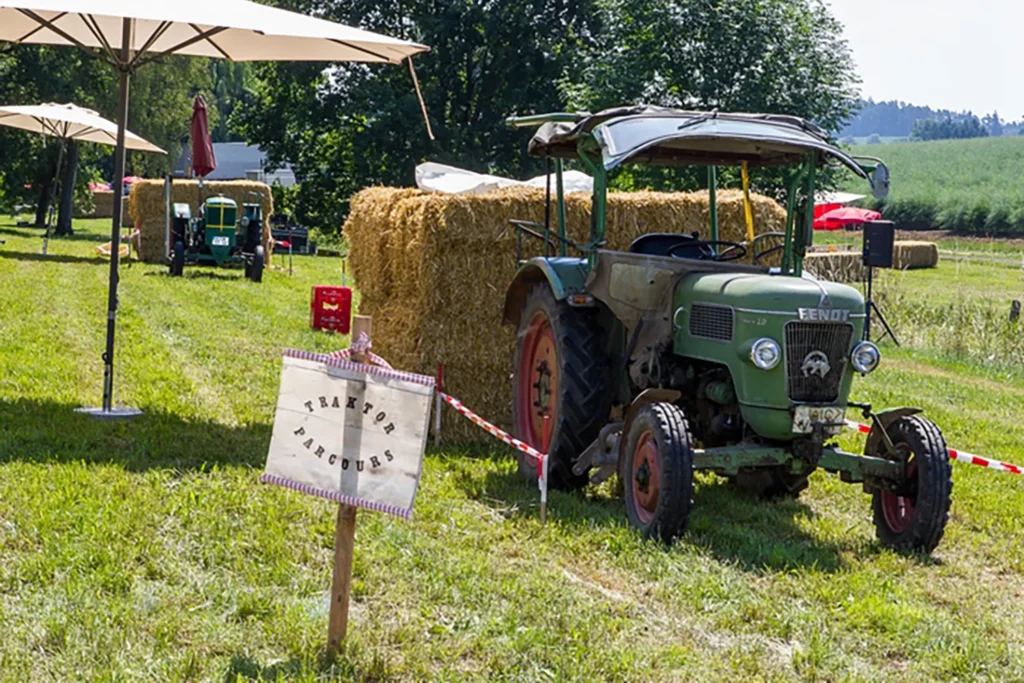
{"x": 103, "y": 203}
{"x": 847, "y": 266}
{"x": 147, "y": 208}
{"x": 910, "y": 254}
{"x": 433, "y": 269}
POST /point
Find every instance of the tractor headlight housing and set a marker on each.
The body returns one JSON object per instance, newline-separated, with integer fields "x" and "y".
{"x": 245, "y": 221}
{"x": 865, "y": 357}
{"x": 765, "y": 353}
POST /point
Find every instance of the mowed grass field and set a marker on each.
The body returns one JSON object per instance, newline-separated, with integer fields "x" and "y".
{"x": 146, "y": 550}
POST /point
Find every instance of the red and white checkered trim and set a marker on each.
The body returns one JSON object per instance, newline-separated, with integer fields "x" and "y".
{"x": 361, "y": 346}
{"x": 336, "y": 497}
{"x": 959, "y": 456}
{"x": 491, "y": 429}
{"x": 378, "y": 371}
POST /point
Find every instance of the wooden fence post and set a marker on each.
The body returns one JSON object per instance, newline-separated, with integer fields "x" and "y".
{"x": 344, "y": 538}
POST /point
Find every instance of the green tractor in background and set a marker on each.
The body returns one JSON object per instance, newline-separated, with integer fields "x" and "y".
{"x": 218, "y": 237}
{"x": 674, "y": 357}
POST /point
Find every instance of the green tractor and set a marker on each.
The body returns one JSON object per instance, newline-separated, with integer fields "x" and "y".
{"x": 674, "y": 356}
{"x": 218, "y": 236}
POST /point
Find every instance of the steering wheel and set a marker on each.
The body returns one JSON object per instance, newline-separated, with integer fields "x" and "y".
{"x": 734, "y": 252}
{"x": 758, "y": 255}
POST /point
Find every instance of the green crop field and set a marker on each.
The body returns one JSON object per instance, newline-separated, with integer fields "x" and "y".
{"x": 973, "y": 186}
{"x": 146, "y": 550}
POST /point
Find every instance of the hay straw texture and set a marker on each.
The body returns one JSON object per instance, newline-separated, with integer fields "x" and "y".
{"x": 103, "y": 201}
{"x": 433, "y": 269}
{"x": 146, "y": 206}
{"x": 847, "y": 266}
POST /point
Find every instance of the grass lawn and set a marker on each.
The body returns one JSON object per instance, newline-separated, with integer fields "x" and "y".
{"x": 147, "y": 550}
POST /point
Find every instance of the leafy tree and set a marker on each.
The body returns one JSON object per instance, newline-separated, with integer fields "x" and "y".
{"x": 353, "y": 125}
{"x": 874, "y": 139}
{"x": 772, "y": 56}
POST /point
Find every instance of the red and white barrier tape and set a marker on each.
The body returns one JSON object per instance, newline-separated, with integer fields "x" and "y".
{"x": 361, "y": 346}
{"x": 491, "y": 429}
{"x": 959, "y": 456}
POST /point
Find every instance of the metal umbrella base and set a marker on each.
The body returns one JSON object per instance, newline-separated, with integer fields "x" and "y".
{"x": 114, "y": 413}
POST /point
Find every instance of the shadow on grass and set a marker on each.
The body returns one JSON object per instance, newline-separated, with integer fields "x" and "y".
{"x": 757, "y": 535}
{"x": 236, "y": 274}
{"x": 248, "y": 668}
{"x": 51, "y": 258}
{"x": 47, "y": 432}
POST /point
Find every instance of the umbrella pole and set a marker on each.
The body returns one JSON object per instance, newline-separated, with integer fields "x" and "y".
{"x": 124, "y": 72}
{"x": 51, "y": 210}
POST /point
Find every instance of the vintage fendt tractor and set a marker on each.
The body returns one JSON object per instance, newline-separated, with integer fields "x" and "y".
{"x": 674, "y": 357}
{"x": 218, "y": 237}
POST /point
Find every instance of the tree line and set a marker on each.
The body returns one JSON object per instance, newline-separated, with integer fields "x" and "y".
{"x": 351, "y": 125}
{"x": 894, "y": 119}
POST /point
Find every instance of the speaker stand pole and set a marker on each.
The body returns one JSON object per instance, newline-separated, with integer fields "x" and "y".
{"x": 871, "y": 306}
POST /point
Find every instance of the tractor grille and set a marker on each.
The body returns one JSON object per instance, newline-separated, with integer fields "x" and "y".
{"x": 711, "y": 322}
{"x": 816, "y": 356}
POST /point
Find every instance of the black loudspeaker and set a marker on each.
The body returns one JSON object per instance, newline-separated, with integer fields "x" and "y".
{"x": 879, "y": 237}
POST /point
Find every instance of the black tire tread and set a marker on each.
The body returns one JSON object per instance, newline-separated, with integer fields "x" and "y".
{"x": 675, "y": 500}
{"x": 584, "y": 401}
{"x": 935, "y": 487}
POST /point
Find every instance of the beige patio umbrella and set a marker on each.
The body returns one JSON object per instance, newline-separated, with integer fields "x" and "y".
{"x": 130, "y": 33}
{"x": 68, "y": 122}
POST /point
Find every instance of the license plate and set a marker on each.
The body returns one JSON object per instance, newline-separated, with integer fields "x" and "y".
{"x": 805, "y": 417}
{"x": 221, "y": 241}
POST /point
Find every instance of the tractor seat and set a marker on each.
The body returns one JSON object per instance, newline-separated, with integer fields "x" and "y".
{"x": 658, "y": 244}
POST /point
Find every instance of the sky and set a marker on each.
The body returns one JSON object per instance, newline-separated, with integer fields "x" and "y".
{"x": 946, "y": 54}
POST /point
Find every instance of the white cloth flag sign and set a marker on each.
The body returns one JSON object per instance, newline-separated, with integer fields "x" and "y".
{"x": 349, "y": 432}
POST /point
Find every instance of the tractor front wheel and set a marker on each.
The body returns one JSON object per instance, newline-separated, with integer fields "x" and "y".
{"x": 178, "y": 260}
{"x": 914, "y": 518}
{"x": 658, "y": 471}
{"x": 560, "y": 387}
{"x": 255, "y": 271}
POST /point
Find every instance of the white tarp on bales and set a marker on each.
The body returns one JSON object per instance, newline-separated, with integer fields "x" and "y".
{"x": 433, "y": 177}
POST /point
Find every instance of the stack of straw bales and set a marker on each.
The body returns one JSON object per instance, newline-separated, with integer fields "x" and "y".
{"x": 433, "y": 269}
{"x": 847, "y": 266}
{"x": 103, "y": 202}
{"x": 147, "y": 208}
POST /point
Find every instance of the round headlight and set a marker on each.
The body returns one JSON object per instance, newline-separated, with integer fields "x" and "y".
{"x": 765, "y": 353}
{"x": 865, "y": 357}
{"x": 245, "y": 221}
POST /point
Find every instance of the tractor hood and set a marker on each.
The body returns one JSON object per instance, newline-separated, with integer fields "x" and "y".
{"x": 778, "y": 294}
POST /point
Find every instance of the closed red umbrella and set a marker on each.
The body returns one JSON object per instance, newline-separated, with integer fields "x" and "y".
{"x": 203, "y": 161}
{"x": 845, "y": 217}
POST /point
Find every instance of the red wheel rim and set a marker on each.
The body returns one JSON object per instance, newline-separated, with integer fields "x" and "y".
{"x": 899, "y": 510}
{"x": 645, "y": 477}
{"x": 537, "y": 377}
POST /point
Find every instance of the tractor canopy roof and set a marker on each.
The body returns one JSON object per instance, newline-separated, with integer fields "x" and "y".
{"x": 656, "y": 135}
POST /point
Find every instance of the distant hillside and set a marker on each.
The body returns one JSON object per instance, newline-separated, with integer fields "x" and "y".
{"x": 896, "y": 120}
{"x": 965, "y": 185}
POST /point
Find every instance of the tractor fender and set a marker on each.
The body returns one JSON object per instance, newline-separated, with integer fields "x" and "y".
{"x": 565, "y": 276}
{"x": 646, "y": 396}
{"x": 874, "y": 444}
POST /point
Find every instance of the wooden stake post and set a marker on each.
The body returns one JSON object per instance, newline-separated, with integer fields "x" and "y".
{"x": 344, "y": 539}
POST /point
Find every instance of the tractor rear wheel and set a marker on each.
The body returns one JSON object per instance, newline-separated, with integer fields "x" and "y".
{"x": 658, "y": 470}
{"x": 178, "y": 260}
{"x": 915, "y": 517}
{"x": 256, "y": 269}
{"x": 560, "y": 372}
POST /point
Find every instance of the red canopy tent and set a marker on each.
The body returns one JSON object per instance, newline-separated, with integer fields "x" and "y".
{"x": 845, "y": 217}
